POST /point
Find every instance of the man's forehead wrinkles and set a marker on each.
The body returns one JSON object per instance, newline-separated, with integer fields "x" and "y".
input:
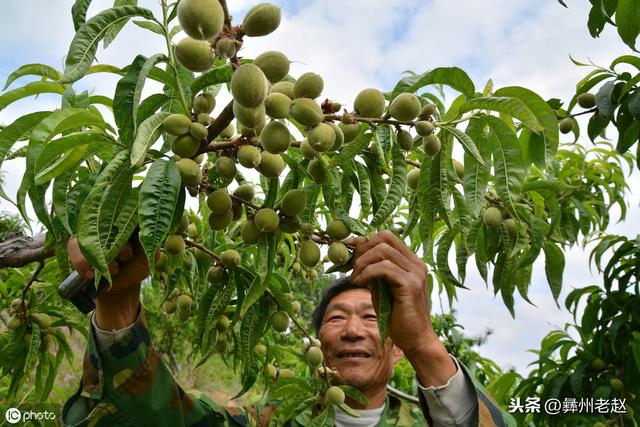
{"x": 345, "y": 306}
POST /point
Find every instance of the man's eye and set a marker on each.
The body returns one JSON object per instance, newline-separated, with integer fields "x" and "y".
{"x": 371, "y": 317}
{"x": 335, "y": 318}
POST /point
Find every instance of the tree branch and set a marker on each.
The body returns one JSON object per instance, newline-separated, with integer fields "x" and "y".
{"x": 19, "y": 250}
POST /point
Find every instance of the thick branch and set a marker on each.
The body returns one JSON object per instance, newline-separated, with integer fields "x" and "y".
{"x": 19, "y": 250}
{"x": 218, "y": 125}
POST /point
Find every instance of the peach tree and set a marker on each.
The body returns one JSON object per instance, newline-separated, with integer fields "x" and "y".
{"x": 242, "y": 206}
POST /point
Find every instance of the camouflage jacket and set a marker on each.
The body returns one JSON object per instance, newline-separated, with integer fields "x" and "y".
{"x": 128, "y": 384}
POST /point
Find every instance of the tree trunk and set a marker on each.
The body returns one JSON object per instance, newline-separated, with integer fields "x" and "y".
{"x": 18, "y": 250}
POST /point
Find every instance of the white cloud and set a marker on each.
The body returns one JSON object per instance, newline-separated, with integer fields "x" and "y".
{"x": 357, "y": 44}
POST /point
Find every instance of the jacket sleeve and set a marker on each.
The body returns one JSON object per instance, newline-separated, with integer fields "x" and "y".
{"x": 462, "y": 402}
{"x": 127, "y": 384}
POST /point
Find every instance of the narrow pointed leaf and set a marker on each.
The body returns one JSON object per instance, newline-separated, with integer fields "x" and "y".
{"x": 33, "y": 70}
{"x": 91, "y": 215}
{"x": 467, "y": 142}
{"x": 476, "y": 175}
{"x": 453, "y": 77}
{"x": 18, "y": 130}
{"x": 508, "y": 162}
{"x": 215, "y": 76}
{"x": 148, "y": 132}
{"x": 85, "y": 43}
{"x": 554, "y": 268}
{"x": 350, "y": 150}
{"x": 79, "y": 12}
{"x": 30, "y": 89}
{"x": 628, "y": 21}
{"x": 396, "y": 188}
{"x": 543, "y": 146}
{"x": 113, "y": 31}
{"x": 157, "y": 200}
{"x": 508, "y": 105}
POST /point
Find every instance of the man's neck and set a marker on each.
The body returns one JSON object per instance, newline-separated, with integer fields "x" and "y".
{"x": 376, "y": 399}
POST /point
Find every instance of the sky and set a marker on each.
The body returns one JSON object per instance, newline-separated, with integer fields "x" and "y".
{"x": 365, "y": 43}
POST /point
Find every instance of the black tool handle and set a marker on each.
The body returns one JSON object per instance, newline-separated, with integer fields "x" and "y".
{"x": 80, "y": 291}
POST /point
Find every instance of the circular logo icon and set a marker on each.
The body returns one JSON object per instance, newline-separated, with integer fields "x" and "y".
{"x": 13, "y": 415}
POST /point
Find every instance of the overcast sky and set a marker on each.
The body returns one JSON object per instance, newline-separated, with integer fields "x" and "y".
{"x": 363, "y": 43}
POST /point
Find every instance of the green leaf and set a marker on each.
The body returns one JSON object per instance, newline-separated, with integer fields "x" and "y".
{"x": 58, "y": 122}
{"x": 124, "y": 105}
{"x": 453, "y": 77}
{"x": 440, "y": 194}
{"x": 543, "y": 147}
{"x": 476, "y": 175}
{"x": 118, "y": 213}
{"x": 85, "y": 43}
{"x": 442, "y": 260}
{"x": 291, "y": 407}
{"x": 79, "y": 12}
{"x": 30, "y": 89}
{"x": 596, "y": 126}
{"x": 157, "y": 200}
{"x": 507, "y": 105}
{"x": 554, "y": 267}
{"x": 150, "y": 25}
{"x": 149, "y": 106}
{"x": 381, "y": 293}
{"x": 148, "y": 132}
{"x": 92, "y": 214}
{"x": 47, "y": 164}
{"x": 628, "y": 137}
{"x": 17, "y": 131}
{"x": 508, "y": 162}
{"x": 251, "y": 329}
{"x": 396, "y": 188}
{"x": 142, "y": 77}
{"x": 628, "y": 21}
{"x": 626, "y": 59}
{"x": 215, "y": 76}
{"x": 364, "y": 190}
{"x": 60, "y": 198}
{"x": 32, "y": 69}
{"x": 113, "y": 31}
{"x": 326, "y": 418}
{"x": 212, "y": 305}
{"x": 350, "y": 150}
{"x": 265, "y": 260}
{"x": 467, "y": 142}
{"x": 604, "y": 102}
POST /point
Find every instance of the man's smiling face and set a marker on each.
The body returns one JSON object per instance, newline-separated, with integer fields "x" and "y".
{"x": 351, "y": 341}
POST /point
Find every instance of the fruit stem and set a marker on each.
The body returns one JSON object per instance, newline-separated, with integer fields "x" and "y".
{"x": 200, "y": 246}
{"x": 593, "y": 110}
{"x": 172, "y": 59}
{"x": 223, "y": 145}
{"x": 32, "y": 279}
{"x": 227, "y": 17}
{"x": 370, "y": 120}
{"x": 243, "y": 201}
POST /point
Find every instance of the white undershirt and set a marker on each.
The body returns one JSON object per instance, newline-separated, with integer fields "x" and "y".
{"x": 368, "y": 417}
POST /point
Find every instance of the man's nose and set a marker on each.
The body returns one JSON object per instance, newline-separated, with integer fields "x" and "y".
{"x": 353, "y": 328}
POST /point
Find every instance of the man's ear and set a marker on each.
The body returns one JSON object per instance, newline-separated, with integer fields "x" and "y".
{"x": 397, "y": 354}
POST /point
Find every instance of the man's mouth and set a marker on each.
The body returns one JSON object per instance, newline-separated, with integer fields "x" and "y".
{"x": 353, "y": 354}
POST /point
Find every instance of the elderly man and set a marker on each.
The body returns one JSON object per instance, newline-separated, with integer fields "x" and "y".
{"x": 124, "y": 381}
